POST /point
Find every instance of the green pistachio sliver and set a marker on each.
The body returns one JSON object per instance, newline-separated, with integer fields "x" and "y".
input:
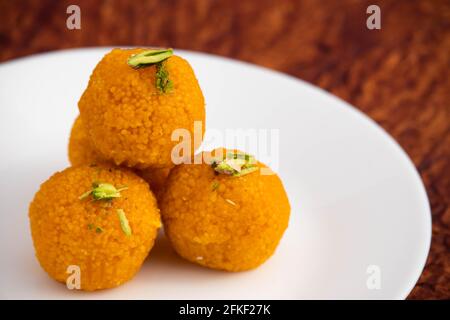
{"x": 98, "y": 230}
{"x": 224, "y": 168}
{"x": 85, "y": 195}
{"x": 124, "y": 222}
{"x": 243, "y": 156}
{"x": 103, "y": 191}
{"x": 149, "y": 57}
{"x": 245, "y": 171}
{"x": 162, "y": 82}
{"x": 235, "y": 164}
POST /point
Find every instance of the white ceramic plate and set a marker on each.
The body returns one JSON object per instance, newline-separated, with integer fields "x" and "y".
{"x": 359, "y": 209}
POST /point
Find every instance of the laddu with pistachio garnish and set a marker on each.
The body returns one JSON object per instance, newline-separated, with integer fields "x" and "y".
{"x": 101, "y": 218}
{"x": 135, "y": 100}
{"x": 82, "y": 152}
{"x": 229, "y": 214}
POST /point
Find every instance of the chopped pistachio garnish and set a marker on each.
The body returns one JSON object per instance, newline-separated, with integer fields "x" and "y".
{"x": 124, "y": 222}
{"x": 245, "y": 171}
{"x": 215, "y": 186}
{"x": 163, "y": 83}
{"x": 149, "y": 57}
{"x": 235, "y": 164}
{"x": 103, "y": 191}
{"x": 154, "y": 57}
{"x": 98, "y": 230}
{"x": 90, "y": 226}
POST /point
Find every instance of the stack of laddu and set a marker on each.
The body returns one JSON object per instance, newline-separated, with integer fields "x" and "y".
{"x": 103, "y": 213}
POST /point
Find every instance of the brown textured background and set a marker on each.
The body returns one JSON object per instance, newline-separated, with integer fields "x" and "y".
{"x": 399, "y": 75}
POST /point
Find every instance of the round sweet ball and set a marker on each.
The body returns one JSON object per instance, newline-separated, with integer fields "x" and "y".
{"x": 81, "y": 152}
{"x": 99, "y": 220}
{"x": 229, "y": 214}
{"x": 131, "y": 113}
